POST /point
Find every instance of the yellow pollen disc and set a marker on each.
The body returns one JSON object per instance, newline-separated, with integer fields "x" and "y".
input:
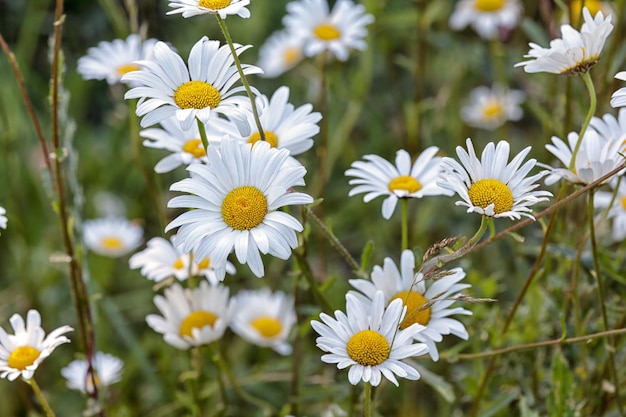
{"x": 204, "y": 264}
{"x": 111, "y": 242}
{"x": 89, "y": 382}
{"x": 196, "y": 320}
{"x": 623, "y": 201}
{"x": 414, "y": 302}
{"x": 267, "y": 326}
{"x": 406, "y": 183}
{"x": 292, "y": 55}
{"x": 244, "y": 208}
{"x": 492, "y": 110}
{"x": 123, "y": 69}
{"x": 197, "y": 95}
{"x": 576, "y": 6}
{"x": 368, "y": 348}
{"x": 490, "y": 191}
{"x": 22, "y": 357}
{"x": 178, "y": 264}
{"x": 214, "y": 4}
{"x": 327, "y": 32}
{"x": 270, "y": 138}
{"x": 488, "y": 5}
{"x": 194, "y": 147}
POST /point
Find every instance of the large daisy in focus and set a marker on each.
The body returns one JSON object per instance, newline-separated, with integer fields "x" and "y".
{"x": 107, "y": 369}
{"x": 167, "y": 87}
{"x": 491, "y": 186}
{"x": 112, "y": 236}
{"x": 489, "y": 108}
{"x": 378, "y": 177}
{"x": 281, "y": 52}
{"x": 486, "y": 17}
{"x": 235, "y": 201}
{"x": 190, "y": 8}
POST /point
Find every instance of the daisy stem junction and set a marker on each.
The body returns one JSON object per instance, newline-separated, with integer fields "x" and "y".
{"x": 203, "y": 137}
{"x": 42, "y": 400}
{"x": 592, "y": 109}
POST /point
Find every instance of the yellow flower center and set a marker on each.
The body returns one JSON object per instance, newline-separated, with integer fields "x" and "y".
{"x": 292, "y": 55}
{"x": 406, "y": 183}
{"x": 623, "y": 201}
{"x": 197, "y": 95}
{"x": 124, "y": 69}
{"x": 194, "y": 147}
{"x": 196, "y": 320}
{"x": 89, "y": 382}
{"x": 491, "y": 191}
{"x": 270, "y": 137}
{"x": 327, "y": 32}
{"x": 414, "y": 302}
{"x": 214, "y": 4}
{"x": 488, "y": 5}
{"x": 244, "y": 208}
{"x": 178, "y": 264}
{"x": 111, "y": 242}
{"x": 576, "y": 6}
{"x": 492, "y": 110}
{"x": 22, "y": 357}
{"x": 368, "y": 348}
{"x": 267, "y": 326}
{"x": 204, "y": 264}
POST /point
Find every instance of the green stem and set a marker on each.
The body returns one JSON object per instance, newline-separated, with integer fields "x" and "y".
{"x": 220, "y": 381}
{"x": 405, "y": 223}
{"x": 368, "y": 400}
{"x": 40, "y": 397}
{"x": 202, "y": 130}
{"x": 586, "y": 76}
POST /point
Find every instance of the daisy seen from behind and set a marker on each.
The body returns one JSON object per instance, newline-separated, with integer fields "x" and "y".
{"x": 22, "y": 352}
{"x": 487, "y": 17}
{"x": 107, "y": 369}
{"x": 405, "y": 285}
{"x": 191, "y": 317}
{"x": 112, "y": 236}
{"x": 223, "y": 8}
{"x": 489, "y": 108}
{"x": 168, "y": 87}
{"x": 112, "y": 60}
{"x": 235, "y": 201}
{"x": 367, "y": 339}
{"x": 576, "y": 52}
{"x": 264, "y": 318}
{"x": 615, "y": 202}
{"x": 337, "y": 31}
{"x": 281, "y": 52}
{"x": 378, "y": 177}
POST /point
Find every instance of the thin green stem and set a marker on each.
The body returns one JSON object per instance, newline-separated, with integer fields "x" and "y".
{"x": 405, "y": 223}
{"x": 586, "y": 76}
{"x": 42, "y": 400}
{"x": 203, "y": 136}
{"x": 220, "y": 380}
{"x": 367, "y": 406}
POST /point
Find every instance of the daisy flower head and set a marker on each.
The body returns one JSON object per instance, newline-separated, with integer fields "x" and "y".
{"x": 491, "y": 186}
{"x": 378, "y": 177}
{"x": 264, "y": 318}
{"x": 23, "y": 351}
{"x": 576, "y": 52}
{"x": 615, "y": 202}
{"x": 489, "y": 108}
{"x": 618, "y": 99}
{"x": 191, "y": 317}
{"x": 112, "y": 236}
{"x": 237, "y": 197}
{"x": 281, "y": 52}
{"x": 190, "y": 8}
{"x": 112, "y": 60}
{"x": 168, "y": 87}
{"x": 3, "y": 218}
{"x": 367, "y": 340}
{"x": 107, "y": 369}
{"x": 487, "y": 17}
{"x": 337, "y": 31}
{"x": 412, "y": 290}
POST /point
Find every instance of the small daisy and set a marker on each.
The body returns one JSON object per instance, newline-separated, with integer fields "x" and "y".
{"x": 338, "y": 31}
{"x": 489, "y": 108}
{"x": 236, "y": 198}
{"x": 617, "y": 211}
{"x": 162, "y": 259}
{"x": 576, "y": 52}
{"x": 264, "y": 318}
{"x": 377, "y": 176}
{"x": 22, "y": 352}
{"x": 411, "y": 289}
{"x": 487, "y": 17}
{"x": 191, "y": 317}
{"x": 490, "y": 186}
{"x": 112, "y": 60}
{"x": 281, "y": 52}
{"x": 367, "y": 340}
{"x": 107, "y": 368}
{"x": 190, "y": 8}
{"x": 618, "y": 99}
{"x": 168, "y": 87}
{"x": 112, "y": 236}
{"x": 3, "y": 218}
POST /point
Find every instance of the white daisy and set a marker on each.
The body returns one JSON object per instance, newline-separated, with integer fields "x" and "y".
{"x": 264, "y": 318}
{"x": 486, "y": 17}
{"x": 112, "y": 60}
{"x": 618, "y": 99}
{"x": 190, "y": 8}
{"x": 576, "y": 52}
{"x": 22, "y": 352}
{"x": 281, "y": 52}
{"x": 162, "y": 259}
{"x": 236, "y": 198}
{"x": 112, "y": 236}
{"x": 191, "y": 317}
{"x": 337, "y": 31}
{"x": 368, "y": 341}
{"x": 490, "y": 186}
{"x": 489, "y": 108}
{"x": 168, "y": 87}
{"x": 3, "y": 218}
{"x": 107, "y": 368}
{"x": 617, "y": 210}
{"x": 411, "y": 289}
{"x": 377, "y": 176}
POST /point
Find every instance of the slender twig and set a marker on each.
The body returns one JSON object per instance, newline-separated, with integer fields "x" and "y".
{"x": 586, "y": 76}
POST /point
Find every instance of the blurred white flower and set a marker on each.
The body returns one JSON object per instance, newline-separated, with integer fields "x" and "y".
{"x": 615, "y": 201}
{"x": 618, "y": 99}
{"x": 112, "y": 236}
{"x": 281, "y": 52}
{"x": 190, "y": 8}
{"x": 107, "y": 369}
{"x": 3, "y": 218}
{"x": 489, "y": 108}
{"x": 486, "y": 17}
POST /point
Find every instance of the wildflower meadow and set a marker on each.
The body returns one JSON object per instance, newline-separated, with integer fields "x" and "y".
{"x": 313, "y": 208}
